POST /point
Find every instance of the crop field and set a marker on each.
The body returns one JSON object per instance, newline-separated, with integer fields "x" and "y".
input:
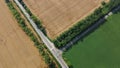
{"x": 16, "y": 48}
{"x": 101, "y": 49}
{"x": 59, "y": 15}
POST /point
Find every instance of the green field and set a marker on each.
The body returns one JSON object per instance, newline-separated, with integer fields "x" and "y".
{"x": 101, "y": 49}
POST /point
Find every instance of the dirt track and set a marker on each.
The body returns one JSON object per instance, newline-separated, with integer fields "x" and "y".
{"x": 16, "y": 49}
{"x": 58, "y": 15}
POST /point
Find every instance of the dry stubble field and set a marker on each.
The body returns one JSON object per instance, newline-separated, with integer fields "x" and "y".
{"x": 16, "y": 49}
{"x": 59, "y": 15}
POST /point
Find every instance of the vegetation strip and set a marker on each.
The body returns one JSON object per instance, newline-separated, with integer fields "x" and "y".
{"x": 33, "y": 17}
{"x": 78, "y": 28}
{"x": 58, "y": 65}
{"x": 100, "y": 49}
{"x": 42, "y": 49}
{"x": 90, "y": 29}
{"x": 115, "y": 9}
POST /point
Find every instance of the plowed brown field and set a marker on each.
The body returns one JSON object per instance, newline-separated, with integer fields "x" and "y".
{"x": 16, "y": 49}
{"x": 59, "y": 15}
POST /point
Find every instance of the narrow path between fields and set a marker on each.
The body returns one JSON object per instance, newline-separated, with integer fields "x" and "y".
{"x": 90, "y": 29}
{"x": 55, "y": 52}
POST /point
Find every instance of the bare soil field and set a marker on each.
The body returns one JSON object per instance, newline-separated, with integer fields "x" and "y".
{"x": 59, "y": 15}
{"x": 16, "y": 49}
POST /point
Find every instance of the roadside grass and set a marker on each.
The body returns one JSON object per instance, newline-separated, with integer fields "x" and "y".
{"x": 101, "y": 49}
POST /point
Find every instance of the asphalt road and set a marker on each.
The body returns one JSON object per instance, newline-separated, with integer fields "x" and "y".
{"x": 93, "y": 27}
{"x": 55, "y": 52}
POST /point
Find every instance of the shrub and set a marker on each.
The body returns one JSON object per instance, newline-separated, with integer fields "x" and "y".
{"x": 40, "y": 46}
{"x": 78, "y": 28}
{"x": 35, "y": 19}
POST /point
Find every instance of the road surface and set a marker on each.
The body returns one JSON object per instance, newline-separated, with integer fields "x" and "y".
{"x": 55, "y": 52}
{"x": 91, "y": 28}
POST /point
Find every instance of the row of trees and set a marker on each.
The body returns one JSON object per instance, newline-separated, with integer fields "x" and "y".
{"x": 33, "y": 17}
{"x": 78, "y": 28}
{"x": 105, "y": 9}
{"x": 42, "y": 49}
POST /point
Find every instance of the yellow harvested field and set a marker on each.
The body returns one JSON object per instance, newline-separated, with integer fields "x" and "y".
{"x": 16, "y": 48}
{"x": 59, "y": 15}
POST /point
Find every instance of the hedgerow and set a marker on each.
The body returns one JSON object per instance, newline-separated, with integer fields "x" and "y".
{"x": 82, "y": 25}
{"x": 33, "y": 17}
{"x": 42, "y": 49}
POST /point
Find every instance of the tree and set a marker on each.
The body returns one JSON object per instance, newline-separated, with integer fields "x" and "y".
{"x": 7, "y": 1}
